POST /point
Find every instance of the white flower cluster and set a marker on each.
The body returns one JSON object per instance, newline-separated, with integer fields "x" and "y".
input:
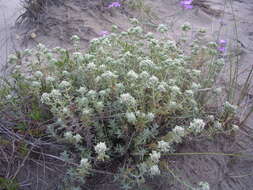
{"x": 38, "y": 74}
{"x": 50, "y": 79}
{"x": 84, "y": 163}
{"x": 127, "y": 99}
{"x": 197, "y": 125}
{"x": 82, "y": 90}
{"x": 72, "y": 138}
{"x": 164, "y": 146}
{"x": 100, "y": 149}
{"x": 155, "y": 156}
{"x": 162, "y": 28}
{"x": 109, "y": 75}
{"x": 154, "y": 170}
{"x": 131, "y": 118}
{"x": 132, "y": 75}
{"x": 179, "y": 131}
{"x": 153, "y": 80}
{"x": 64, "y": 84}
{"x": 46, "y": 98}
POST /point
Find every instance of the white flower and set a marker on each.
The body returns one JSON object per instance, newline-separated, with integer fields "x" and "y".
{"x": 100, "y": 147}
{"x": 9, "y": 96}
{"x": 162, "y": 28}
{"x": 197, "y": 125}
{"x": 82, "y": 90}
{"x": 144, "y": 75}
{"x": 55, "y": 93}
{"x": 98, "y": 78}
{"x": 150, "y": 116}
{"x": 131, "y": 118}
{"x": 86, "y": 111}
{"x": 179, "y": 131}
{"x": 66, "y": 73}
{"x": 210, "y": 118}
{"x": 99, "y": 105}
{"x": 217, "y": 125}
{"x": 195, "y": 86}
{"x": 133, "y": 75}
{"x": 64, "y": 84}
{"x": 92, "y": 93}
{"x": 65, "y": 110}
{"x": 50, "y": 79}
{"x": 109, "y": 75}
{"x": 38, "y": 74}
{"x": 153, "y": 80}
{"x": 154, "y": 170}
{"x": 91, "y": 66}
{"x": 68, "y": 135}
{"x": 146, "y": 62}
{"x": 127, "y": 99}
{"x": 84, "y": 163}
{"x": 155, "y": 156}
{"x": 175, "y": 89}
{"x": 235, "y": 127}
{"x": 45, "y": 98}
{"x": 78, "y": 56}
{"x": 75, "y": 38}
{"x": 77, "y": 138}
{"x": 36, "y": 84}
{"x": 140, "y": 114}
{"x": 189, "y": 92}
{"x": 164, "y": 146}
{"x": 161, "y": 88}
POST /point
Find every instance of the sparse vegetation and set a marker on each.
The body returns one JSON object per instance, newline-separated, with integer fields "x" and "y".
{"x": 121, "y": 107}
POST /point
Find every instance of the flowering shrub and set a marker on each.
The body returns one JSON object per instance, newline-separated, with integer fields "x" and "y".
{"x": 131, "y": 97}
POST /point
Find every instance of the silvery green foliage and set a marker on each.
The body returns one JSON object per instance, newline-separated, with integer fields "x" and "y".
{"x": 122, "y": 98}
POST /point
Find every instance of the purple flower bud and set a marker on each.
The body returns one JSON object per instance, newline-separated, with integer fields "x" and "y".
{"x": 186, "y": 4}
{"x": 223, "y": 42}
{"x": 103, "y": 33}
{"x": 114, "y": 4}
{"x": 222, "y": 49}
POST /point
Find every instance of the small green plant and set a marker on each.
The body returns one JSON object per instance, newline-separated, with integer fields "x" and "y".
{"x": 7, "y": 184}
{"x": 131, "y": 97}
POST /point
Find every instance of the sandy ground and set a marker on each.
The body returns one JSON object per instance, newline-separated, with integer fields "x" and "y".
{"x": 223, "y": 173}
{"x": 9, "y": 11}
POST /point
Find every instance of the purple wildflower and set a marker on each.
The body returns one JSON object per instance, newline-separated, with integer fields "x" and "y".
{"x": 186, "y": 4}
{"x": 114, "y": 4}
{"x": 103, "y": 33}
{"x": 222, "y": 49}
{"x": 222, "y": 45}
{"x": 222, "y": 42}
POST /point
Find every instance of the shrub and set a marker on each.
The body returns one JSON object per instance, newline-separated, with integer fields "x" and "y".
{"x": 130, "y": 98}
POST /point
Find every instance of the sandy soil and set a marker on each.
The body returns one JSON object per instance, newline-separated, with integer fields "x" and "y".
{"x": 85, "y": 20}
{"x": 9, "y": 11}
